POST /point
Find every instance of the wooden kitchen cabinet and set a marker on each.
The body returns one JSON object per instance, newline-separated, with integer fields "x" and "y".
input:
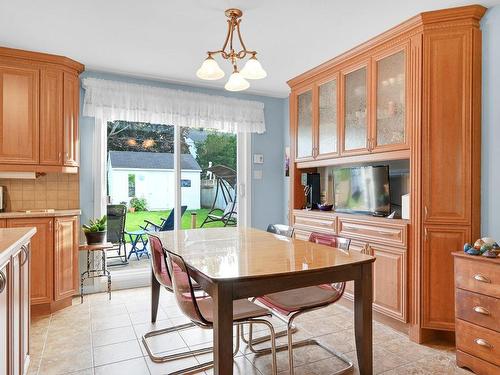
{"x": 39, "y": 109}
{"x": 65, "y": 257}
{"x": 3, "y": 223}
{"x": 18, "y": 113}
{"x": 4, "y": 318}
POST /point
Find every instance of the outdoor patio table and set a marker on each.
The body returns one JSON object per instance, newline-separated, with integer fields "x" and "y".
{"x": 136, "y": 236}
{"x": 236, "y": 263}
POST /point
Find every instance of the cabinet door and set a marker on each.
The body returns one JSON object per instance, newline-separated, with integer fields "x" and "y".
{"x": 390, "y": 109}
{"x": 16, "y": 323}
{"x": 18, "y": 114}
{"x": 4, "y": 319}
{"x": 355, "y": 114}
{"x": 446, "y": 129}
{"x": 65, "y": 260}
{"x": 304, "y": 114}
{"x": 3, "y": 223}
{"x": 71, "y": 111}
{"x": 438, "y": 292}
{"x": 51, "y": 117}
{"x": 327, "y": 125}
{"x": 42, "y": 247}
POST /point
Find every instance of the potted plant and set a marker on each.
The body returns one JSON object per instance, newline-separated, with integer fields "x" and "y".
{"x": 95, "y": 231}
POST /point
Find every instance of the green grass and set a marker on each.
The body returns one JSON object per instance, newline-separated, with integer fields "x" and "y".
{"x": 135, "y": 219}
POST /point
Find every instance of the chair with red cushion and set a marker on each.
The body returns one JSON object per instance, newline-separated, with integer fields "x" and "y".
{"x": 290, "y": 304}
{"x": 199, "y": 309}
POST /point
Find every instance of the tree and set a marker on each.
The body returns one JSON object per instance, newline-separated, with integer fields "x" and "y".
{"x": 140, "y": 136}
{"x": 218, "y": 148}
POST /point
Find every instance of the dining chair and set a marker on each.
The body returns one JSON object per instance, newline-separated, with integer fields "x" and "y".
{"x": 161, "y": 275}
{"x": 290, "y": 304}
{"x": 280, "y": 229}
{"x": 200, "y": 309}
{"x": 115, "y": 228}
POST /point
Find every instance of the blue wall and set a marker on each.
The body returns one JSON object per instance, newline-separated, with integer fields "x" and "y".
{"x": 267, "y": 194}
{"x": 490, "y": 179}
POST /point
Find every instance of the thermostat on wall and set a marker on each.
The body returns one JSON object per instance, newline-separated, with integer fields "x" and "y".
{"x": 258, "y": 158}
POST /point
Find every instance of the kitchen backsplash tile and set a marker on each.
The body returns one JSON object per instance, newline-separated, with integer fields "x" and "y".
{"x": 54, "y": 190}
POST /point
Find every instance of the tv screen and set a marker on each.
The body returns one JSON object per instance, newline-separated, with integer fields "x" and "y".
{"x": 362, "y": 190}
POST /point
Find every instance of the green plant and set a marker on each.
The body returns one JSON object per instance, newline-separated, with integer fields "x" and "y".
{"x": 139, "y": 204}
{"x": 95, "y": 225}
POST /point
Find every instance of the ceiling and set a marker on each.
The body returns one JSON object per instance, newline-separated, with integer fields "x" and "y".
{"x": 167, "y": 39}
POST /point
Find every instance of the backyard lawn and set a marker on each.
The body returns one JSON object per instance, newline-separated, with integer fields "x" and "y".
{"x": 135, "y": 219}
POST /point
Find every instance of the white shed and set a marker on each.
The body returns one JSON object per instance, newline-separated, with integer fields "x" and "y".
{"x": 150, "y": 175}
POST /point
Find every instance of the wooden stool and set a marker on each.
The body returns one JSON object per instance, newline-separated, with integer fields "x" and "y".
{"x": 100, "y": 271}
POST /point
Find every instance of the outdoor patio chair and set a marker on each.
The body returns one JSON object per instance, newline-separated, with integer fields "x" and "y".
{"x": 290, "y": 304}
{"x": 228, "y": 216}
{"x": 115, "y": 228}
{"x": 200, "y": 309}
{"x": 166, "y": 223}
{"x": 280, "y": 229}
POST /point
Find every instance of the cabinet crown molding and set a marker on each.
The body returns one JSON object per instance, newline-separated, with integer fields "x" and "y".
{"x": 42, "y": 57}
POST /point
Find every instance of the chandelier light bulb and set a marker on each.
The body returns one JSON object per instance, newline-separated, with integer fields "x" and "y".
{"x": 236, "y": 82}
{"x": 210, "y": 70}
{"x": 253, "y": 69}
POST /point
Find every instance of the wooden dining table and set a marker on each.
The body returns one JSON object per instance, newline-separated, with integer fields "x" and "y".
{"x": 235, "y": 263}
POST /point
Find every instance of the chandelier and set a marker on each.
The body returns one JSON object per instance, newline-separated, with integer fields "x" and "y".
{"x": 210, "y": 70}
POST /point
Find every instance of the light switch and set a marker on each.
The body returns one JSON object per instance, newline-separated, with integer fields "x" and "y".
{"x": 258, "y": 158}
{"x": 257, "y": 174}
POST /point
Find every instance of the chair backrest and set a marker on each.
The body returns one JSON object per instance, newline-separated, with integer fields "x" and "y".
{"x": 330, "y": 240}
{"x": 183, "y": 288}
{"x": 280, "y": 229}
{"x": 158, "y": 262}
{"x": 168, "y": 224}
{"x": 115, "y": 226}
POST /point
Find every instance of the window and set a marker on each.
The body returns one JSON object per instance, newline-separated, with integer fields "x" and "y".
{"x": 131, "y": 185}
{"x": 185, "y": 183}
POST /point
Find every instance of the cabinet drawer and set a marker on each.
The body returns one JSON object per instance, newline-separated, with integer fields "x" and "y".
{"x": 478, "y": 341}
{"x": 478, "y": 309}
{"x": 478, "y": 276}
{"x": 382, "y": 232}
{"x": 318, "y": 223}
{"x": 301, "y": 234}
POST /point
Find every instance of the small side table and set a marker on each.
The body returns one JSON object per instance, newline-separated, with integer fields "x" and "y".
{"x": 101, "y": 270}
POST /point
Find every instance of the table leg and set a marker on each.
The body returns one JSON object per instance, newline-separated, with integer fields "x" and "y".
{"x": 363, "y": 320}
{"x": 155, "y": 296}
{"x": 223, "y": 329}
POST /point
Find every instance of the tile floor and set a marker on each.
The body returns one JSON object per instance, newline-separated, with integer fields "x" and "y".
{"x": 103, "y": 337}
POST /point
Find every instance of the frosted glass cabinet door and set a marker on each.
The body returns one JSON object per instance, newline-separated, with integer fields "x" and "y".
{"x": 304, "y": 125}
{"x": 328, "y": 117}
{"x": 391, "y": 100}
{"x": 355, "y": 122}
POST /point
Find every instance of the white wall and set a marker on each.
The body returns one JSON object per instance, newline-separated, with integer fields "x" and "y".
{"x": 157, "y": 186}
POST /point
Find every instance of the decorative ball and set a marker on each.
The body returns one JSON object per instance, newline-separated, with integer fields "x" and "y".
{"x": 488, "y": 240}
{"x": 473, "y": 251}
{"x": 467, "y": 246}
{"x": 478, "y": 244}
{"x": 489, "y": 254}
{"x": 485, "y": 247}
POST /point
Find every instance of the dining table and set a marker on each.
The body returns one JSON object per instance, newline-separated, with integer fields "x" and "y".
{"x": 240, "y": 262}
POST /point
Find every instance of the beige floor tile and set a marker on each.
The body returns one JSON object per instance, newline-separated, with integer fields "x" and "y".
{"x": 196, "y": 336}
{"x": 136, "y": 366}
{"x": 168, "y": 367}
{"x": 165, "y": 343}
{"x": 63, "y": 363}
{"x": 144, "y": 316}
{"x": 113, "y": 336}
{"x": 117, "y": 352}
{"x": 241, "y": 366}
{"x": 112, "y": 321}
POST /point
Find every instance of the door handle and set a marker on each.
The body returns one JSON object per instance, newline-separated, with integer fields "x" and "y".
{"x": 481, "y": 310}
{"x": 25, "y": 250}
{"x": 3, "y": 281}
{"x": 481, "y": 278}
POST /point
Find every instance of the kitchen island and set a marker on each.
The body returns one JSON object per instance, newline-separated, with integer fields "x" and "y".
{"x": 15, "y": 299}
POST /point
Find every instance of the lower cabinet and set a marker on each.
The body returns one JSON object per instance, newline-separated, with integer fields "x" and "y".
{"x": 4, "y": 318}
{"x": 65, "y": 257}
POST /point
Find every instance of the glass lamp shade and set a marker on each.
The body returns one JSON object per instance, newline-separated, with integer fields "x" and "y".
{"x": 236, "y": 82}
{"x": 210, "y": 70}
{"x": 253, "y": 69}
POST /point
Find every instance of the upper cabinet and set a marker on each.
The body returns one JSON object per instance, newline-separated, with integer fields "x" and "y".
{"x": 39, "y": 107}
{"x": 305, "y": 144}
{"x": 328, "y": 118}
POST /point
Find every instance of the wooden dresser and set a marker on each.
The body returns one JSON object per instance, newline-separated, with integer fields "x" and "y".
{"x": 477, "y": 309}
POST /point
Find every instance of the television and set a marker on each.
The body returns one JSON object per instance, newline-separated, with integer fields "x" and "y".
{"x": 362, "y": 190}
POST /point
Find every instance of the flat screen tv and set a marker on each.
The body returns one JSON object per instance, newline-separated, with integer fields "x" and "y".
{"x": 362, "y": 190}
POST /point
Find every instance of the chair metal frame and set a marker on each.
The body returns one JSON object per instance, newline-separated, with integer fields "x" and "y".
{"x": 329, "y": 240}
{"x": 121, "y": 240}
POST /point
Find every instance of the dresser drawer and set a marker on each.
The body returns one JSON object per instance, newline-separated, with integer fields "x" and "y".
{"x": 478, "y": 309}
{"x": 478, "y": 276}
{"x": 300, "y": 234}
{"x": 478, "y": 341}
{"x": 392, "y": 234}
{"x": 316, "y": 223}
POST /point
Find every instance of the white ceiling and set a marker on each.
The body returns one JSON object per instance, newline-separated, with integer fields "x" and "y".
{"x": 167, "y": 39}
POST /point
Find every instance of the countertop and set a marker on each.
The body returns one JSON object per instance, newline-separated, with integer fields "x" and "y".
{"x": 34, "y": 213}
{"x": 11, "y": 239}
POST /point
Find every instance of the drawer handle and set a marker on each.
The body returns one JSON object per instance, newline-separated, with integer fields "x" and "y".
{"x": 483, "y": 343}
{"x": 481, "y": 278}
{"x": 26, "y": 255}
{"x": 3, "y": 281}
{"x": 481, "y": 310}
